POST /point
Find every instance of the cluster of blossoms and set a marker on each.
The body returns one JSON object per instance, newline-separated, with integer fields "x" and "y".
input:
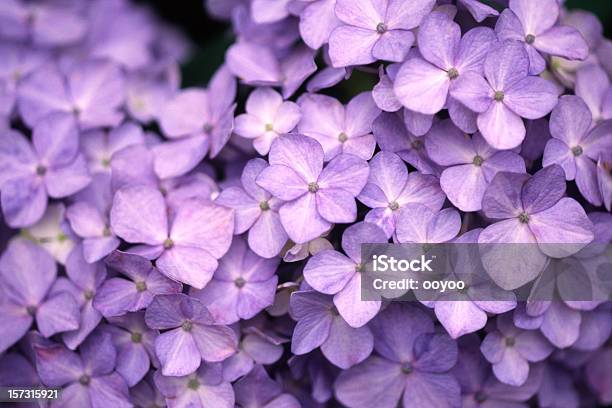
{"x": 167, "y": 246}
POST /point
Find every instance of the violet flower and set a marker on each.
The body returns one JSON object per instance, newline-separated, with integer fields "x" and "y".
{"x": 413, "y": 365}
{"x": 93, "y": 92}
{"x": 320, "y": 325}
{"x": 422, "y": 83}
{"x": 187, "y": 246}
{"x": 510, "y": 350}
{"x": 89, "y": 378}
{"x": 256, "y": 211}
{"x": 267, "y": 117}
{"x": 531, "y": 210}
{"x": 203, "y": 388}
{"x": 534, "y": 24}
{"x": 340, "y": 129}
{"x": 593, "y": 86}
{"x": 135, "y": 345}
{"x": 82, "y": 282}
{"x": 317, "y": 21}
{"x": 243, "y": 285}
{"x": 575, "y": 147}
{"x": 28, "y": 273}
{"x": 470, "y": 164}
{"x": 190, "y": 337}
{"x": 257, "y": 389}
{"x": 375, "y": 30}
{"x": 316, "y": 197}
{"x": 117, "y": 296}
{"x": 418, "y": 224}
{"x": 334, "y": 273}
{"x": 51, "y": 166}
{"x": 100, "y": 145}
{"x": 505, "y": 95}
{"x": 390, "y": 187}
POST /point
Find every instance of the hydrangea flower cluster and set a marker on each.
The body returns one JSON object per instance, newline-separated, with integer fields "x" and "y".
{"x": 200, "y": 247}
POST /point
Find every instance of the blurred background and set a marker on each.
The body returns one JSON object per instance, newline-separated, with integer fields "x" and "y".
{"x": 211, "y": 37}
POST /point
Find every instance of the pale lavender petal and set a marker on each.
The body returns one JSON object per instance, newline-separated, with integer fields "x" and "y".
{"x": 421, "y": 86}
{"x": 563, "y": 41}
{"x": 346, "y": 346}
{"x": 301, "y": 219}
{"x": 350, "y": 45}
{"x": 177, "y": 353}
{"x": 139, "y": 215}
{"x": 531, "y": 97}
{"x": 502, "y": 128}
{"x": 393, "y": 45}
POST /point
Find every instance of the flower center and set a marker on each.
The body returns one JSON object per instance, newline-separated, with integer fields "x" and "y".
{"x": 136, "y": 337}
{"x": 208, "y": 128}
{"x": 478, "y": 160}
{"x": 168, "y": 243}
{"x": 523, "y": 217}
{"x": 313, "y": 187}
{"x": 530, "y": 38}
{"x": 359, "y": 267}
{"x": 381, "y": 28}
{"x": 264, "y": 206}
{"x": 106, "y": 163}
{"x": 499, "y": 96}
{"x": 239, "y": 282}
{"x": 193, "y": 384}
{"x": 31, "y": 310}
{"x": 106, "y": 232}
{"x": 417, "y": 144}
{"x": 453, "y": 73}
{"x": 407, "y": 368}
{"x": 334, "y": 311}
{"x": 510, "y": 341}
{"x": 84, "y": 379}
{"x": 342, "y": 137}
{"x": 480, "y": 396}
{"x": 269, "y": 127}
{"x": 141, "y": 286}
{"x": 393, "y": 205}
{"x": 41, "y": 170}
{"x": 88, "y": 294}
{"x": 577, "y": 150}
{"x": 187, "y": 326}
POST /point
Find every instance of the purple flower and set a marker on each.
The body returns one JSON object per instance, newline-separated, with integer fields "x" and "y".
{"x": 135, "y": 345}
{"x": 320, "y": 325}
{"x": 575, "y": 147}
{"x": 186, "y": 246}
{"x": 257, "y": 389}
{"x": 92, "y": 91}
{"x": 117, "y": 296}
{"x": 256, "y": 211}
{"x": 316, "y": 197}
{"x": 16, "y": 370}
{"x": 531, "y": 210}
{"x": 269, "y": 11}
{"x": 383, "y": 93}
{"x": 413, "y": 365}
{"x": 28, "y": 273}
{"x": 510, "y": 350}
{"x": 375, "y": 30}
{"x": 257, "y": 64}
{"x": 505, "y": 95}
{"x": 317, "y": 21}
{"x": 604, "y": 178}
{"x": 478, "y": 10}
{"x": 51, "y": 166}
{"x": 84, "y": 279}
{"x": 299, "y": 252}
{"x": 479, "y": 386}
{"x": 100, "y": 145}
{"x": 196, "y": 120}
{"x": 203, "y": 388}
{"x": 40, "y": 23}
{"x": 242, "y": 286}
{"x": 337, "y": 128}
{"x": 334, "y": 273}
{"x": 390, "y": 187}
{"x": 599, "y": 376}
{"x": 534, "y": 24}
{"x": 422, "y": 83}
{"x": 267, "y": 117}
{"x": 52, "y": 233}
{"x": 256, "y": 347}
{"x": 418, "y": 224}
{"x": 471, "y": 164}
{"x": 190, "y": 337}
{"x": 89, "y": 378}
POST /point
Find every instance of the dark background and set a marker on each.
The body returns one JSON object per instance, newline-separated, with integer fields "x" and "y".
{"x": 211, "y": 38}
